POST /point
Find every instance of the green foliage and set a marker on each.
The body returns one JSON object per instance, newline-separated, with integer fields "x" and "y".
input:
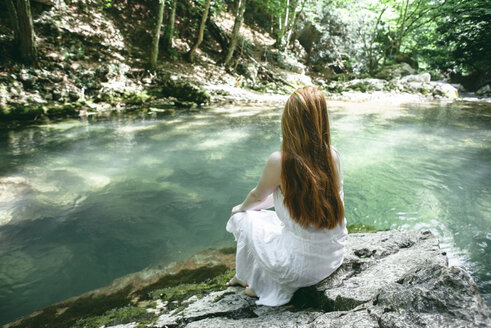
{"x": 461, "y": 37}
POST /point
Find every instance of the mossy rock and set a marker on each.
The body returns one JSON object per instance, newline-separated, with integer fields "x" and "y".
{"x": 184, "y": 91}
{"x": 114, "y": 308}
{"x": 60, "y": 110}
{"x": 185, "y": 276}
{"x": 66, "y": 314}
{"x": 118, "y": 316}
{"x": 361, "y": 227}
{"x": 20, "y": 112}
{"x": 136, "y": 98}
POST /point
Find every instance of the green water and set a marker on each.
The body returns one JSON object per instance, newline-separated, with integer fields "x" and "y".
{"x": 83, "y": 202}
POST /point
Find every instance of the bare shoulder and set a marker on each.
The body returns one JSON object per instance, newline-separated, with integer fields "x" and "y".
{"x": 274, "y": 163}
{"x": 275, "y": 158}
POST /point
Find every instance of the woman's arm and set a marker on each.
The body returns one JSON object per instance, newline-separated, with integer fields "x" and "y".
{"x": 261, "y": 196}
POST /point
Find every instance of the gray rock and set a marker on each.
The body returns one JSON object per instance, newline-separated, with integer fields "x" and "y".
{"x": 367, "y": 85}
{"x": 249, "y": 71}
{"x": 425, "y": 78}
{"x": 485, "y": 91}
{"x": 375, "y": 260}
{"x": 435, "y": 295}
{"x": 395, "y": 71}
{"x": 268, "y": 317}
{"x": 445, "y": 90}
{"x": 388, "y": 279}
{"x": 222, "y": 303}
{"x": 128, "y": 325}
{"x": 353, "y": 319}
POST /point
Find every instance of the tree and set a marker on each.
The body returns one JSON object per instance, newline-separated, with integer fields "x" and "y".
{"x": 239, "y": 17}
{"x": 413, "y": 15}
{"x": 464, "y": 32}
{"x": 190, "y": 54}
{"x": 287, "y": 20}
{"x": 21, "y": 20}
{"x": 169, "y": 30}
{"x": 154, "y": 51}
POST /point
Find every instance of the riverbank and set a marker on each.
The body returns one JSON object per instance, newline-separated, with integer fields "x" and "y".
{"x": 89, "y": 65}
{"x": 388, "y": 278}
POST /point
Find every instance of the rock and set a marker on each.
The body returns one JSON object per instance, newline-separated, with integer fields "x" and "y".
{"x": 249, "y": 71}
{"x": 365, "y": 85}
{"x": 417, "y": 87}
{"x": 73, "y": 95}
{"x": 425, "y": 78}
{"x": 388, "y": 279}
{"x": 395, "y": 71}
{"x": 284, "y": 61}
{"x": 374, "y": 260}
{"x": 433, "y": 295}
{"x": 183, "y": 91}
{"x": 264, "y": 318}
{"x": 299, "y": 51}
{"x": 445, "y": 90}
{"x": 128, "y": 325}
{"x": 352, "y": 319}
{"x": 485, "y": 91}
{"x": 222, "y": 303}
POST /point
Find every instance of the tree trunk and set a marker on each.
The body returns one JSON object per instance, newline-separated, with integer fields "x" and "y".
{"x": 14, "y": 21}
{"x": 280, "y": 41}
{"x": 372, "y": 62}
{"x": 401, "y": 30}
{"x": 293, "y": 25}
{"x": 190, "y": 54}
{"x": 27, "y": 43}
{"x": 239, "y": 17}
{"x": 169, "y": 30}
{"x": 154, "y": 52}
{"x": 21, "y": 19}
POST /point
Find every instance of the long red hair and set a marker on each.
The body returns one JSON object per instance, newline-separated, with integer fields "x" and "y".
{"x": 309, "y": 175}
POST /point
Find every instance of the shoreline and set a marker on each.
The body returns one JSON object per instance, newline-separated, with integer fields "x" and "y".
{"x": 192, "y": 292}
{"x": 224, "y": 95}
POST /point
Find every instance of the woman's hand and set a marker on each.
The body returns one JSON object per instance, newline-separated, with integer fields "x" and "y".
{"x": 236, "y": 209}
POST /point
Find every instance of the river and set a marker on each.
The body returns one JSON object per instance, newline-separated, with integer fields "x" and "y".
{"x": 85, "y": 201}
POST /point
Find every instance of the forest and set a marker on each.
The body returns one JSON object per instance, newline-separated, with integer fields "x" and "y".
{"x": 63, "y": 54}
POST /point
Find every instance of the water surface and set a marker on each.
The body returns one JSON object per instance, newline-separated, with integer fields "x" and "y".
{"x": 83, "y": 202}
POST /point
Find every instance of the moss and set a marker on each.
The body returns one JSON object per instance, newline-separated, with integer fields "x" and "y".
{"x": 184, "y": 91}
{"x": 199, "y": 275}
{"x": 136, "y": 98}
{"x": 228, "y": 250}
{"x": 176, "y": 294}
{"x": 116, "y": 317}
{"x": 54, "y": 317}
{"x": 21, "y": 112}
{"x": 361, "y": 227}
{"x": 61, "y": 110}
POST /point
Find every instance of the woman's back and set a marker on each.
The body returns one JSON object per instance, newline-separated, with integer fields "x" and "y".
{"x": 302, "y": 241}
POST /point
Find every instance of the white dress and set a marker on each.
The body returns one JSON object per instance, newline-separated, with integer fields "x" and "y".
{"x": 276, "y": 256}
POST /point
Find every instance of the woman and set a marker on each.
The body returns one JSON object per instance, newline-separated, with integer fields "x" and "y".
{"x": 303, "y": 241}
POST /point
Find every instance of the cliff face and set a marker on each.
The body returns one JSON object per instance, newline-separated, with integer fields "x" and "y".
{"x": 388, "y": 279}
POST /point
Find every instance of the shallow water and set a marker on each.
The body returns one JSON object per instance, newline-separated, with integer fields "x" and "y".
{"x": 85, "y": 201}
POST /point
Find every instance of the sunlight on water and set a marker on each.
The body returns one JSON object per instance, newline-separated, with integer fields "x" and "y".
{"x": 83, "y": 202}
